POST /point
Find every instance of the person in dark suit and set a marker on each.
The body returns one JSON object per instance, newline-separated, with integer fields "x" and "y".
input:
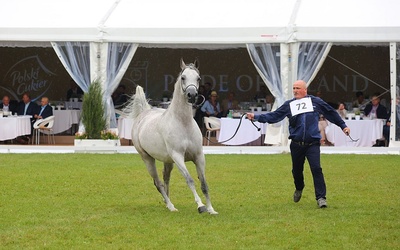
{"x": 26, "y": 106}
{"x": 8, "y": 105}
{"x": 44, "y": 111}
{"x": 75, "y": 91}
{"x": 375, "y": 110}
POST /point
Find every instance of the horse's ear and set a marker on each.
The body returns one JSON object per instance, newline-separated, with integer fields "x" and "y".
{"x": 183, "y": 65}
{"x": 196, "y": 64}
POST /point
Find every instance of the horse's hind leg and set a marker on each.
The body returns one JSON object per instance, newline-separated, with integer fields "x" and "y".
{"x": 200, "y": 167}
{"x": 151, "y": 167}
{"x": 167, "y": 176}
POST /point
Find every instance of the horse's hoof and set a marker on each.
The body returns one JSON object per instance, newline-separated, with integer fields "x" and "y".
{"x": 202, "y": 209}
{"x": 212, "y": 212}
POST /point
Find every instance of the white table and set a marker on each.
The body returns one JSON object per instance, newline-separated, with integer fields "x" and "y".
{"x": 247, "y": 132}
{"x": 73, "y": 105}
{"x": 13, "y": 126}
{"x": 64, "y": 119}
{"x": 125, "y": 127}
{"x": 367, "y": 131}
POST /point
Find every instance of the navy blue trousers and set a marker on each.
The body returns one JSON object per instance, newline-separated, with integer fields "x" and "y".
{"x": 313, "y": 155}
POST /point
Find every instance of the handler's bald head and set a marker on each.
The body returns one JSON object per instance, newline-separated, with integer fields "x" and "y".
{"x": 299, "y": 89}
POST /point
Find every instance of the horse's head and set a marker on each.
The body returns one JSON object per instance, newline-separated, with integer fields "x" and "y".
{"x": 190, "y": 80}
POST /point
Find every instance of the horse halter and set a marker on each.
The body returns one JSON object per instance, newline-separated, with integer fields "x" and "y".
{"x": 191, "y": 95}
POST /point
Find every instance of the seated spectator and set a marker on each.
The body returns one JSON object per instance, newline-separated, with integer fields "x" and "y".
{"x": 229, "y": 104}
{"x": 360, "y": 102}
{"x": 374, "y": 109}
{"x": 119, "y": 97}
{"x": 8, "y": 105}
{"x": 75, "y": 91}
{"x": 211, "y": 107}
{"x": 26, "y": 106}
{"x": 342, "y": 110}
{"x": 44, "y": 110}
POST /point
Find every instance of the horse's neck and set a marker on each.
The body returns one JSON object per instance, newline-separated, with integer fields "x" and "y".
{"x": 179, "y": 106}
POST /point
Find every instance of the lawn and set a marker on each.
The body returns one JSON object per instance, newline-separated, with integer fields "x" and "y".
{"x": 108, "y": 201}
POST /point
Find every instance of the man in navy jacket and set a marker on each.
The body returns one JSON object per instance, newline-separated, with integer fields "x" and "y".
{"x": 303, "y": 112}
{"x": 45, "y": 110}
{"x": 375, "y": 109}
{"x": 26, "y": 107}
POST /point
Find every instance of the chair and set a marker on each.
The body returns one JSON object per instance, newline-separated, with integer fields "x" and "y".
{"x": 44, "y": 126}
{"x": 213, "y": 125}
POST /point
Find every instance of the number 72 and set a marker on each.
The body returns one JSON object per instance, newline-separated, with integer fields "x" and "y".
{"x": 301, "y": 106}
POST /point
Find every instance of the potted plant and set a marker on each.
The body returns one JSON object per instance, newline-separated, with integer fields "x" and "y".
{"x": 94, "y": 120}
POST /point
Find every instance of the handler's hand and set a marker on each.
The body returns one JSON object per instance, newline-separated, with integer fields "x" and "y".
{"x": 250, "y": 116}
{"x": 346, "y": 130}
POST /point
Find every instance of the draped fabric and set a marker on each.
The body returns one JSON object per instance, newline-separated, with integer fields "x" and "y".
{"x": 75, "y": 57}
{"x": 119, "y": 55}
{"x": 266, "y": 59}
{"x": 311, "y": 56}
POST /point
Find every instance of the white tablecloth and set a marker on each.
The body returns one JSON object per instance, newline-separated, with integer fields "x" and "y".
{"x": 125, "y": 128}
{"x": 14, "y": 126}
{"x": 367, "y": 131}
{"x": 247, "y": 132}
{"x": 73, "y": 105}
{"x": 63, "y": 119}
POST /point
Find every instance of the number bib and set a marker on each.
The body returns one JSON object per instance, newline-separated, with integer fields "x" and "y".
{"x": 301, "y": 106}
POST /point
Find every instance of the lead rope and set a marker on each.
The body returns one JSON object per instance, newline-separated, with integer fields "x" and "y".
{"x": 237, "y": 129}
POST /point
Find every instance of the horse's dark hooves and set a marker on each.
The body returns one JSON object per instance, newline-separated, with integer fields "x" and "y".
{"x": 202, "y": 209}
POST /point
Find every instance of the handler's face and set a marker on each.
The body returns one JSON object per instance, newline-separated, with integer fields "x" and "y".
{"x": 299, "y": 89}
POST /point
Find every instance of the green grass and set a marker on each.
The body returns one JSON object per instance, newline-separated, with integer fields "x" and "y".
{"x": 95, "y": 201}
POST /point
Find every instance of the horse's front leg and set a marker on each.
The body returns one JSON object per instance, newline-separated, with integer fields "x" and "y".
{"x": 200, "y": 168}
{"x": 180, "y": 163}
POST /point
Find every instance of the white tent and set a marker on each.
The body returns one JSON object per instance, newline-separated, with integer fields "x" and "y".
{"x": 201, "y": 24}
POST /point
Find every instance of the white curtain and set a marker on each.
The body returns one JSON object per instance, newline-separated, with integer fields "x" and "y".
{"x": 311, "y": 56}
{"x": 119, "y": 55}
{"x": 266, "y": 58}
{"x": 75, "y": 57}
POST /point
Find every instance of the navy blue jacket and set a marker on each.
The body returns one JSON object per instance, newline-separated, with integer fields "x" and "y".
{"x": 304, "y": 127}
{"x": 48, "y": 111}
{"x": 30, "y": 111}
{"x": 381, "y": 111}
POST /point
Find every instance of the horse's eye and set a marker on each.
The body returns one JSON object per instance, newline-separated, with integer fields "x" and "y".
{"x": 199, "y": 79}
{"x": 183, "y": 78}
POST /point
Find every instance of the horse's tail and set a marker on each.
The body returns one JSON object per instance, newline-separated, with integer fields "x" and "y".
{"x": 137, "y": 104}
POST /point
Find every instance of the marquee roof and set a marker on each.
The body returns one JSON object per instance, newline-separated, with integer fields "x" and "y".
{"x": 206, "y": 22}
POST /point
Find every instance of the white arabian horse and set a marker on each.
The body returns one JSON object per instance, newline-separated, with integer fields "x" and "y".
{"x": 171, "y": 136}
